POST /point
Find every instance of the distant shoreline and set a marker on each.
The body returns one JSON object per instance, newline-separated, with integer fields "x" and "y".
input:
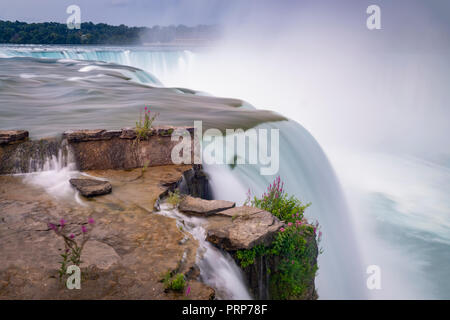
{"x": 54, "y": 33}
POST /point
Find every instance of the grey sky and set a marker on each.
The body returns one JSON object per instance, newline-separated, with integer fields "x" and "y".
{"x": 192, "y": 12}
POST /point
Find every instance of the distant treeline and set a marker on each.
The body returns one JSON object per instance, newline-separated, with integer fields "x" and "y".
{"x": 101, "y": 33}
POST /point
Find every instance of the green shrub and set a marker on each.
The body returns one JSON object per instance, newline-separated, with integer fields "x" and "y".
{"x": 176, "y": 283}
{"x": 143, "y": 126}
{"x": 174, "y": 198}
{"x": 295, "y": 267}
{"x": 277, "y": 202}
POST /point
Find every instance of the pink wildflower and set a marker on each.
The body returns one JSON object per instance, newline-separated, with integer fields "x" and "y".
{"x": 188, "y": 290}
{"x": 72, "y": 236}
{"x": 282, "y": 229}
{"x": 83, "y": 229}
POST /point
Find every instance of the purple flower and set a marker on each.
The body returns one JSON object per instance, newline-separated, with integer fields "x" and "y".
{"x": 91, "y": 221}
{"x": 72, "y": 236}
{"x": 62, "y": 222}
{"x": 83, "y": 229}
{"x": 52, "y": 226}
{"x": 188, "y": 290}
{"x": 290, "y": 224}
{"x": 282, "y": 229}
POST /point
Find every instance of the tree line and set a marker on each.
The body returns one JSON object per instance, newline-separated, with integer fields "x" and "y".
{"x": 57, "y": 33}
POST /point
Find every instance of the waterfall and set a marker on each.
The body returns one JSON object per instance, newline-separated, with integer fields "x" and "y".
{"x": 47, "y": 163}
{"x": 309, "y": 176}
{"x": 217, "y": 268}
{"x": 167, "y": 65}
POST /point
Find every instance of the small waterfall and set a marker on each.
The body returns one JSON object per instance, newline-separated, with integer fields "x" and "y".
{"x": 35, "y": 156}
{"x": 217, "y": 268}
{"x": 47, "y": 163}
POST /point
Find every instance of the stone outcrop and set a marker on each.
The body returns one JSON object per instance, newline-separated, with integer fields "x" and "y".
{"x": 129, "y": 250}
{"x": 12, "y": 136}
{"x": 91, "y": 187}
{"x": 259, "y": 273}
{"x": 242, "y": 228}
{"x": 200, "y": 207}
{"x": 119, "y": 149}
{"x": 95, "y": 149}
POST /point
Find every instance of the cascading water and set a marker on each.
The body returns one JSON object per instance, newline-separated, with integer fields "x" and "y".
{"x": 304, "y": 167}
{"x": 217, "y": 268}
{"x": 308, "y": 175}
{"x": 166, "y": 64}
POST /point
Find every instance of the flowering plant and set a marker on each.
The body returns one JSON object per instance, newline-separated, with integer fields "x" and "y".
{"x": 72, "y": 247}
{"x": 144, "y": 125}
{"x": 276, "y": 201}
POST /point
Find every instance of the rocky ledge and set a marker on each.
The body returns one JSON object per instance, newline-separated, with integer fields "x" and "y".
{"x": 12, "y": 136}
{"x": 129, "y": 251}
{"x": 243, "y": 228}
{"x": 96, "y": 149}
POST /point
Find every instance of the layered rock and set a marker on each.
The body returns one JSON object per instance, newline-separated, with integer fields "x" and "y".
{"x": 200, "y": 207}
{"x": 119, "y": 149}
{"x": 12, "y": 136}
{"x": 96, "y": 149}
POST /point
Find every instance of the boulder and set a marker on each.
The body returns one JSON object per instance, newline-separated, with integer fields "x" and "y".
{"x": 197, "y": 206}
{"x": 11, "y": 136}
{"x": 242, "y": 228}
{"x": 91, "y": 187}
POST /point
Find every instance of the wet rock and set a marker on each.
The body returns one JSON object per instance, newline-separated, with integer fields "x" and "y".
{"x": 30, "y": 155}
{"x": 197, "y": 206}
{"x": 12, "y": 136}
{"x": 91, "y": 187}
{"x": 242, "y": 228}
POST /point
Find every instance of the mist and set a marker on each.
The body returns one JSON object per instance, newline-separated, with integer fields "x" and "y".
{"x": 375, "y": 100}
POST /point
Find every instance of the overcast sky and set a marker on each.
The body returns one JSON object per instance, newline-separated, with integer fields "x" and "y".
{"x": 131, "y": 12}
{"x": 193, "y": 12}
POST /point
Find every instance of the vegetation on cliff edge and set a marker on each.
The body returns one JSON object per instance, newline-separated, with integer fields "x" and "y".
{"x": 296, "y": 265}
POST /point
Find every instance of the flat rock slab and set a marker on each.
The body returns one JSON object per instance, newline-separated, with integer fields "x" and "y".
{"x": 91, "y": 187}
{"x": 242, "y": 228}
{"x": 11, "y": 136}
{"x": 201, "y": 207}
